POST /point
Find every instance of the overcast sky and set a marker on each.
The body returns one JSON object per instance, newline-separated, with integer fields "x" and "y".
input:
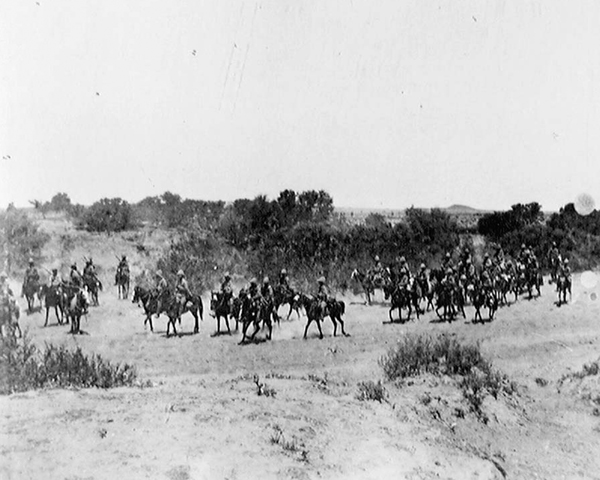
{"x": 382, "y": 104}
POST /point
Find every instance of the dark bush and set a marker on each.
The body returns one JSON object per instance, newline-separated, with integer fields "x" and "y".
{"x": 25, "y": 367}
{"x": 108, "y": 215}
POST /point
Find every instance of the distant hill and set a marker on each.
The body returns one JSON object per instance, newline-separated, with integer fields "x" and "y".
{"x": 464, "y": 210}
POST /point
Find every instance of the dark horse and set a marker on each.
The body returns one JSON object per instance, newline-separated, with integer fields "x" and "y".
{"x": 220, "y": 305}
{"x": 563, "y": 285}
{"x": 175, "y": 308}
{"x": 255, "y": 311}
{"x": 484, "y": 298}
{"x": 30, "y": 289}
{"x": 149, "y": 301}
{"x": 403, "y": 298}
{"x": 283, "y": 296}
{"x": 93, "y": 285}
{"x": 122, "y": 282}
{"x": 316, "y": 311}
{"x": 54, "y": 297}
{"x": 368, "y": 283}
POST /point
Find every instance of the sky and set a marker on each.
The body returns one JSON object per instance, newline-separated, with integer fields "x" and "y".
{"x": 382, "y": 104}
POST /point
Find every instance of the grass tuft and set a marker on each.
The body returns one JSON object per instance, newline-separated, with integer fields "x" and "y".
{"x": 370, "y": 390}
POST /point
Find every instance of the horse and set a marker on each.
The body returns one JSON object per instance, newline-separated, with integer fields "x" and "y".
{"x": 484, "y": 298}
{"x": 450, "y": 300}
{"x": 55, "y": 298}
{"x": 285, "y": 295}
{"x": 367, "y": 283}
{"x": 122, "y": 282}
{"x": 175, "y": 308}
{"x": 93, "y": 285}
{"x": 563, "y": 285}
{"x": 255, "y": 311}
{"x": 9, "y": 317}
{"x": 149, "y": 301}
{"x": 533, "y": 279}
{"x": 78, "y": 304}
{"x": 30, "y": 289}
{"x": 403, "y": 299}
{"x": 317, "y": 310}
{"x": 221, "y": 307}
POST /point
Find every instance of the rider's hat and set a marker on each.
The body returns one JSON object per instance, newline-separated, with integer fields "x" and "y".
{"x": 283, "y": 271}
{"x": 321, "y": 280}
{"x": 180, "y": 273}
{"x": 3, "y": 275}
{"x": 253, "y": 281}
{"x": 30, "y": 260}
{"x": 402, "y": 259}
{"x": 523, "y": 246}
{"x": 449, "y": 271}
{"x": 159, "y": 273}
{"x": 266, "y": 280}
{"x": 376, "y": 258}
{"x": 566, "y": 260}
{"x": 423, "y": 267}
{"x": 448, "y": 255}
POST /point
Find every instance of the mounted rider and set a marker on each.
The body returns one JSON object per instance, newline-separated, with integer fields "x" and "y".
{"x": 284, "y": 281}
{"x": 226, "y": 289}
{"x": 90, "y": 269}
{"x": 54, "y": 282}
{"x": 322, "y": 292}
{"x": 565, "y": 270}
{"x": 447, "y": 262}
{"x": 122, "y": 268}
{"x": 182, "y": 290}
{"x": 162, "y": 289}
{"x": 32, "y": 277}
{"x": 377, "y": 272}
{"x": 75, "y": 278}
{"x": 254, "y": 292}
{"x": 403, "y": 274}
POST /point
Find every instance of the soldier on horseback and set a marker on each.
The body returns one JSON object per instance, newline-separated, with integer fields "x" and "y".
{"x": 284, "y": 281}
{"x": 182, "y": 290}
{"x": 122, "y": 268}
{"x": 162, "y": 288}
{"x": 447, "y": 261}
{"x": 54, "y": 281}
{"x": 75, "y": 278}
{"x": 322, "y": 292}
{"x": 31, "y": 274}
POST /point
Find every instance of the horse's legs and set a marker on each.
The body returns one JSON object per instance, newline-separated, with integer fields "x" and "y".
{"x": 308, "y": 322}
{"x": 319, "y": 326}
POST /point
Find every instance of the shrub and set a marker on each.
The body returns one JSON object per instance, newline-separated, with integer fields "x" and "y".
{"x": 25, "y": 367}
{"x": 22, "y": 238}
{"x": 414, "y": 355}
{"x": 108, "y": 215}
{"x": 417, "y": 354}
{"x": 370, "y": 390}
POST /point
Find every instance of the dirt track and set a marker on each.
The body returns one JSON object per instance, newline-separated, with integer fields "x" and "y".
{"x": 201, "y": 416}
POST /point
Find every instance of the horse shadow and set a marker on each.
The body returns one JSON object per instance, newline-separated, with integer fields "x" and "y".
{"x": 254, "y": 341}
{"x": 34, "y": 310}
{"x": 220, "y": 334}
{"x": 178, "y": 334}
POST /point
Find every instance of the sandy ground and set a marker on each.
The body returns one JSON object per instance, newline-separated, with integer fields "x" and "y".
{"x": 197, "y": 415}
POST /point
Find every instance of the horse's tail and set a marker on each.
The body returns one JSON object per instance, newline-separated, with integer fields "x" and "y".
{"x": 342, "y": 307}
